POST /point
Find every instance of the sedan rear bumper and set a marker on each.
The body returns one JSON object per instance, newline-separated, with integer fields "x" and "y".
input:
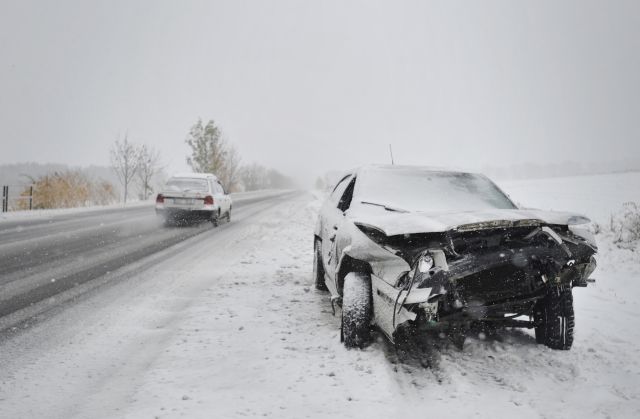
{"x": 186, "y": 213}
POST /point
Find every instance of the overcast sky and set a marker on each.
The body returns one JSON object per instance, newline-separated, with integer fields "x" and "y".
{"x": 309, "y": 86}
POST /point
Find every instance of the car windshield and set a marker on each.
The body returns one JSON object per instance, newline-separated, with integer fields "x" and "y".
{"x": 430, "y": 191}
{"x": 187, "y": 184}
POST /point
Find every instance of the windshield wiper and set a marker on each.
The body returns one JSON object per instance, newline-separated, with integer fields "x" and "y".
{"x": 388, "y": 208}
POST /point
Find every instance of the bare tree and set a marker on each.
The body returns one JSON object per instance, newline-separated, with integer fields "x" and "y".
{"x": 254, "y": 177}
{"x": 125, "y": 160}
{"x": 148, "y": 167}
{"x": 230, "y": 173}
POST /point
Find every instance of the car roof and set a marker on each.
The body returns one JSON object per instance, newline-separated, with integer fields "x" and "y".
{"x": 194, "y": 176}
{"x": 391, "y": 167}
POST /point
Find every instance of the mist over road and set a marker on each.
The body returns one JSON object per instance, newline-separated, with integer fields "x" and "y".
{"x": 43, "y": 257}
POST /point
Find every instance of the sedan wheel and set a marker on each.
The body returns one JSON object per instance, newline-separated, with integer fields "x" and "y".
{"x": 318, "y": 268}
{"x": 555, "y": 319}
{"x": 215, "y": 219}
{"x": 357, "y": 310}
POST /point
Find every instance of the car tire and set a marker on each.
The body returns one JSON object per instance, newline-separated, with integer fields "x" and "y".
{"x": 357, "y": 310}
{"x": 555, "y": 319}
{"x": 215, "y": 219}
{"x": 229, "y": 216}
{"x": 318, "y": 267}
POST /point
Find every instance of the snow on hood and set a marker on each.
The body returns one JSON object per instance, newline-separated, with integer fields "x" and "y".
{"x": 393, "y": 223}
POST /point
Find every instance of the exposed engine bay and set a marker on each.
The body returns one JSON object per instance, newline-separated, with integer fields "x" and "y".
{"x": 492, "y": 272}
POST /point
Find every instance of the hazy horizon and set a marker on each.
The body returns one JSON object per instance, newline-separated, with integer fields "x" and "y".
{"x": 310, "y": 87}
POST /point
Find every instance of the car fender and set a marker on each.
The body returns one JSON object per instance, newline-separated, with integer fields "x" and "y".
{"x": 362, "y": 251}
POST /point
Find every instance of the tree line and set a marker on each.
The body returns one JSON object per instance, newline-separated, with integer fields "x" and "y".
{"x": 139, "y": 165}
{"x": 135, "y": 162}
{"x": 212, "y": 153}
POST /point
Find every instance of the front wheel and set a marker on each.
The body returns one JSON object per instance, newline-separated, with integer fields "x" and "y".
{"x": 555, "y": 319}
{"x": 357, "y": 310}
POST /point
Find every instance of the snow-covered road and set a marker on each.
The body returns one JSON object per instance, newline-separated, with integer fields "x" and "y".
{"x": 230, "y": 326}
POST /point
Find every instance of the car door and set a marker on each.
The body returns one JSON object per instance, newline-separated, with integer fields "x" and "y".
{"x": 341, "y": 236}
{"x": 220, "y": 197}
{"x": 214, "y": 191}
{"x": 331, "y": 218}
{"x": 226, "y": 198}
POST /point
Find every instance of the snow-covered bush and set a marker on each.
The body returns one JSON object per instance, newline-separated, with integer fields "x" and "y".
{"x": 625, "y": 224}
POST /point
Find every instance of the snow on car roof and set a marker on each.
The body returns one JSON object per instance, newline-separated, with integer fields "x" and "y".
{"x": 194, "y": 175}
{"x": 409, "y": 167}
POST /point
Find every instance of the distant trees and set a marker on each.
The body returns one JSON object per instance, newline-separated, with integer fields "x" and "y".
{"x": 254, "y": 177}
{"x": 148, "y": 168}
{"x": 210, "y": 153}
{"x": 125, "y": 160}
{"x": 131, "y": 161}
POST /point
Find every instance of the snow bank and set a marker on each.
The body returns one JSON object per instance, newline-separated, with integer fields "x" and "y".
{"x": 47, "y": 213}
{"x": 625, "y": 225}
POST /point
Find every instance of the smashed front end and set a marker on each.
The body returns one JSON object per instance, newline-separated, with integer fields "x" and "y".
{"x": 491, "y": 273}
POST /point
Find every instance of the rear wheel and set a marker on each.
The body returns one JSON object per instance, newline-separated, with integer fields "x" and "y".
{"x": 318, "y": 268}
{"x": 555, "y": 319}
{"x": 215, "y": 219}
{"x": 357, "y": 309}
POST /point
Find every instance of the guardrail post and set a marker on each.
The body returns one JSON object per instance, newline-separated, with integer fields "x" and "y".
{"x": 5, "y": 198}
{"x": 30, "y": 197}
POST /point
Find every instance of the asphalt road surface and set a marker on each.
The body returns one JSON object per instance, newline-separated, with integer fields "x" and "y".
{"x": 44, "y": 257}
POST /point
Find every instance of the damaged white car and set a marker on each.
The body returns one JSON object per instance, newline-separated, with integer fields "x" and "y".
{"x": 421, "y": 249}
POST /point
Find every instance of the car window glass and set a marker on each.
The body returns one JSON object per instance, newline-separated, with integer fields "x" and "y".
{"x": 347, "y": 196}
{"x": 187, "y": 184}
{"x": 339, "y": 188}
{"x": 431, "y": 191}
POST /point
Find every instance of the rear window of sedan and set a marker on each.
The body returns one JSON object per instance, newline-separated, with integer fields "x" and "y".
{"x": 431, "y": 191}
{"x": 186, "y": 184}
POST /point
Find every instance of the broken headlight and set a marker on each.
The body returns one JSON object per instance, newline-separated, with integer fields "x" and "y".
{"x": 373, "y": 233}
{"x": 425, "y": 263}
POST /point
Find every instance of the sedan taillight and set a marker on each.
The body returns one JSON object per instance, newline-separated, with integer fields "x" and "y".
{"x": 160, "y": 199}
{"x": 208, "y": 200}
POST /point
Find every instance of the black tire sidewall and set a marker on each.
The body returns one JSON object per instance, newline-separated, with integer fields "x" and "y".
{"x": 357, "y": 310}
{"x": 557, "y": 320}
{"x": 318, "y": 269}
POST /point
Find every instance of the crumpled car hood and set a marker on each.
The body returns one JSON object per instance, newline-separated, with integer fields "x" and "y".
{"x": 394, "y": 223}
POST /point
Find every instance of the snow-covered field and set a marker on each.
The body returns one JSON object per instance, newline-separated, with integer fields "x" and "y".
{"x": 232, "y": 327}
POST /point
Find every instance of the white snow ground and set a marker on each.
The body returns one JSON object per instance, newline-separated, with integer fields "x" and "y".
{"x": 237, "y": 330}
